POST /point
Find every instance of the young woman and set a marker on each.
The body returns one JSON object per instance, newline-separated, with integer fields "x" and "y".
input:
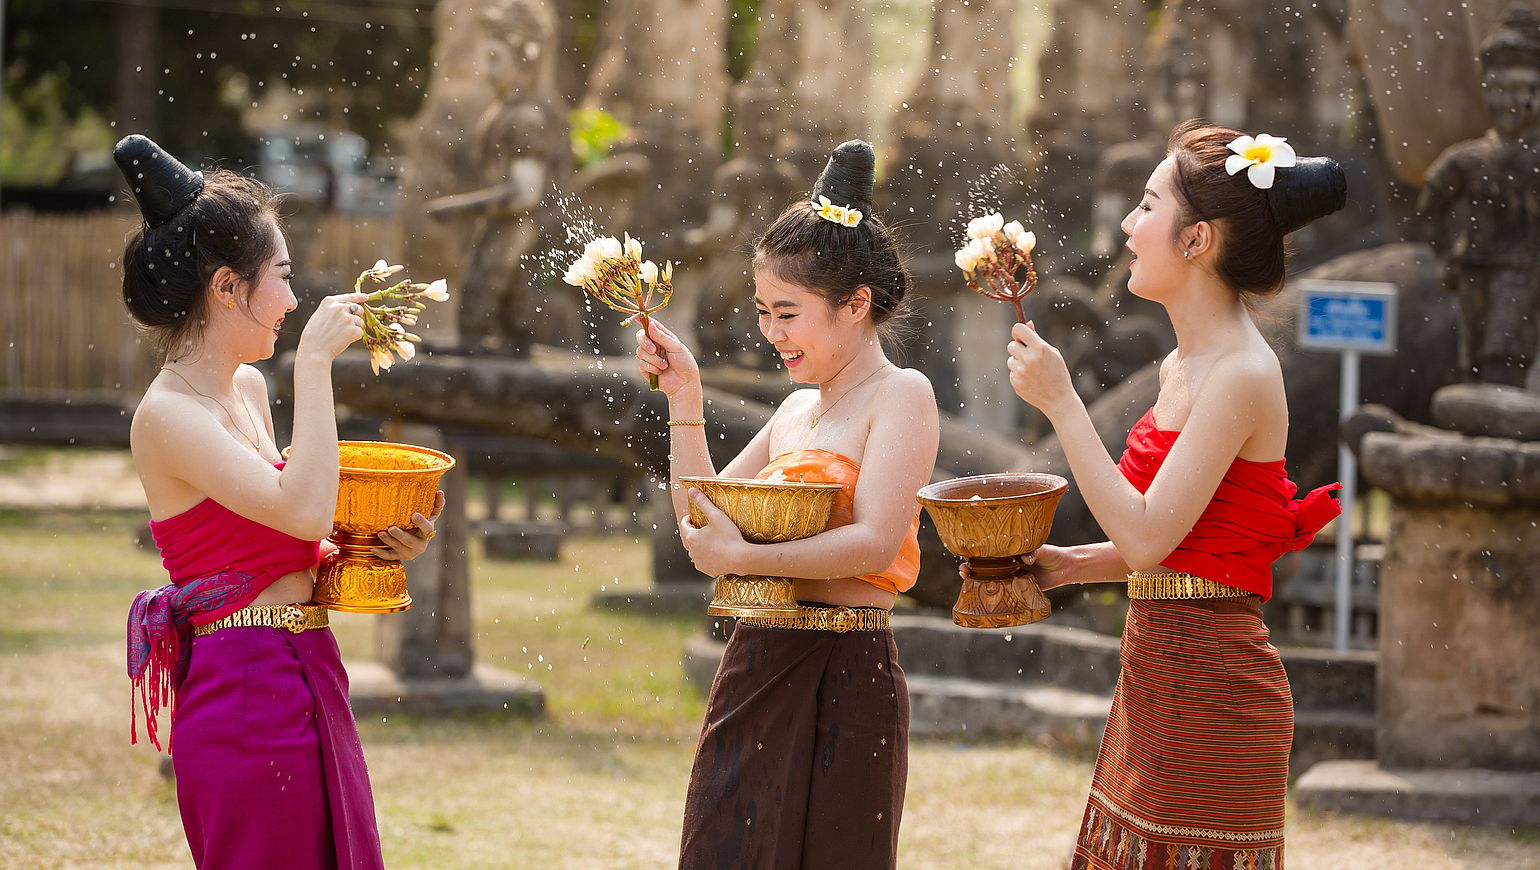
{"x": 803, "y": 757}
{"x": 1193, "y": 763}
{"x": 269, "y": 769}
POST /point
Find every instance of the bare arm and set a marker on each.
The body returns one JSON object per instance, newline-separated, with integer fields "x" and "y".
{"x": 899, "y": 457}
{"x": 1146, "y": 527}
{"x": 174, "y": 436}
{"x": 659, "y": 351}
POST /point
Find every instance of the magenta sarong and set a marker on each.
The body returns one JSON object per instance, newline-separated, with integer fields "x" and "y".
{"x": 269, "y": 769}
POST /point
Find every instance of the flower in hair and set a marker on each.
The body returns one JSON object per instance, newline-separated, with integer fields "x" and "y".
{"x": 843, "y": 215}
{"x": 1259, "y": 156}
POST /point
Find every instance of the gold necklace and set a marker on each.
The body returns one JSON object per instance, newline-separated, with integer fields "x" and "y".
{"x": 222, "y": 407}
{"x": 812, "y": 420}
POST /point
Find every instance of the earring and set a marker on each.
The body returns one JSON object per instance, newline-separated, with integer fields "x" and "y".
{"x": 1185, "y": 255}
{"x": 230, "y": 303}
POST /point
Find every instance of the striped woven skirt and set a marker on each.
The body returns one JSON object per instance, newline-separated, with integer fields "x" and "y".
{"x": 1194, "y": 762}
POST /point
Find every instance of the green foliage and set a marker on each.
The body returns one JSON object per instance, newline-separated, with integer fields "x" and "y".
{"x": 594, "y": 133}
{"x": 355, "y": 66}
{"x": 742, "y": 36}
{"x": 42, "y": 136}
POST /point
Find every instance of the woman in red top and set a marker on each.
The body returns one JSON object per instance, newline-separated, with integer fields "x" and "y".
{"x": 1194, "y": 759}
{"x": 269, "y": 770}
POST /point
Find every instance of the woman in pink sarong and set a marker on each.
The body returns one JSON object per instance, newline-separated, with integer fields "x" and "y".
{"x": 268, "y": 764}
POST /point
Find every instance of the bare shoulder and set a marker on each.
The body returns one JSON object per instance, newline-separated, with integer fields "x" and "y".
{"x": 909, "y": 385}
{"x": 160, "y": 417}
{"x": 907, "y": 400}
{"x": 251, "y": 382}
{"x": 1246, "y": 375}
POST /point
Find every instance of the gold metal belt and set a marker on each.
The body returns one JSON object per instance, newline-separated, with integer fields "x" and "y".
{"x": 835, "y": 619}
{"x": 293, "y": 617}
{"x": 1175, "y": 584}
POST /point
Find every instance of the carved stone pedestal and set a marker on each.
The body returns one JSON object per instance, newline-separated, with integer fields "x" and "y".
{"x": 426, "y": 662}
{"x": 1458, "y": 734}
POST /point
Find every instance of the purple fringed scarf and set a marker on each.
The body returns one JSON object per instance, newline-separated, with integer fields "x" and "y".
{"x": 160, "y": 640}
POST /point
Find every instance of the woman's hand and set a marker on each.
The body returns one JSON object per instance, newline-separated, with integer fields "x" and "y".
{"x": 1048, "y": 565}
{"x": 1037, "y": 370}
{"x": 407, "y": 544}
{"x": 660, "y": 352}
{"x": 337, "y": 322}
{"x": 715, "y": 548}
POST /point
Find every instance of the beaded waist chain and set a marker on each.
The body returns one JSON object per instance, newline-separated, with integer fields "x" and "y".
{"x": 835, "y": 619}
{"x": 293, "y": 617}
{"x": 1175, "y": 584}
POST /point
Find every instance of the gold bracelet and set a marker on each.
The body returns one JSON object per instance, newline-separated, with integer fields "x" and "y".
{"x": 687, "y": 422}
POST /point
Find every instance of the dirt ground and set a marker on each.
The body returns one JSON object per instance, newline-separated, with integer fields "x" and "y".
{"x": 598, "y": 783}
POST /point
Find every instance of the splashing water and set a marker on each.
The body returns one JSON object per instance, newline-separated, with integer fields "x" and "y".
{"x": 579, "y": 227}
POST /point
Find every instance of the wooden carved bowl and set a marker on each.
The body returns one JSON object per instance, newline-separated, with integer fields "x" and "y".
{"x": 766, "y": 512}
{"x": 381, "y": 485}
{"x": 990, "y": 519}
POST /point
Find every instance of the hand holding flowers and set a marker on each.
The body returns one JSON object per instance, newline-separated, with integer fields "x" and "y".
{"x": 994, "y": 253}
{"x": 613, "y": 272}
{"x": 385, "y": 325}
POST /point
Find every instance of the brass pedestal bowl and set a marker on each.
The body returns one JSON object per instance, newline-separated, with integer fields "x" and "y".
{"x": 989, "y": 520}
{"x": 382, "y": 485}
{"x": 765, "y": 512}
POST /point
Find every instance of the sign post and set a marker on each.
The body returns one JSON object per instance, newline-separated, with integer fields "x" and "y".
{"x": 1351, "y": 317}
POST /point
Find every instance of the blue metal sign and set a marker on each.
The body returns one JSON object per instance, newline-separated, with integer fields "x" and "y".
{"x": 1348, "y": 315}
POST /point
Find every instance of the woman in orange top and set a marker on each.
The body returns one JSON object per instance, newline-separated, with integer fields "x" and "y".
{"x": 803, "y": 757}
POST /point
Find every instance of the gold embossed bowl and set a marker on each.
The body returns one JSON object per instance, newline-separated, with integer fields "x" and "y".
{"x": 990, "y": 519}
{"x": 766, "y": 512}
{"x": 380, "y": 485}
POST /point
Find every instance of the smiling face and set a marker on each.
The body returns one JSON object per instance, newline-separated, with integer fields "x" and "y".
{"x": 1152, "y": 235}
{"x": 815, "y": 340}
{"x": 261, "y": 313}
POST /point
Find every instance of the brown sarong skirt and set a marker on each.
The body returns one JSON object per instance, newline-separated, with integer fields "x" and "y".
{"x": 804, "y": 754}
{"x": 1194, "y": 762}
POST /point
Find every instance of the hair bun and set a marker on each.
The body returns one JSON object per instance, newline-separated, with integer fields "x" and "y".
{"x": 848, "y": 178}
{"x": 1312, "y": 188}
{"x": 162, "y": 184}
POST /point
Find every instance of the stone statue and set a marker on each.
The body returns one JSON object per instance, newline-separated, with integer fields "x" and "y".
{"x": 816, "y": 52}
{"x": 521, "y": 142}
{"x": 747, "y": 193}
{"x": 659, "y": 70}
{"x": 1482, "y": 197}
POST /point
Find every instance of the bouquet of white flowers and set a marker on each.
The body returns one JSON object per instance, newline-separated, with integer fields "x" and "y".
{"x": 385, "y": 324}
{"x": 993, "y": 255}
{"x": 613, "y": 272}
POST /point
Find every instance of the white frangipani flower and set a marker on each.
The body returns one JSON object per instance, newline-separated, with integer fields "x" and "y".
{"x": 974, "y": 254}
{"x": 985, "y": 227}
{"x": 649, "y": 271}
{"x": 1259, "y": 156}
{"x": 438, "y": 291}
{"x": 1023, "y": 239}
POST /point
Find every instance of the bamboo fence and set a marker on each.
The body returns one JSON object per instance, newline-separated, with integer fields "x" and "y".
{"x": 67, "y": 334}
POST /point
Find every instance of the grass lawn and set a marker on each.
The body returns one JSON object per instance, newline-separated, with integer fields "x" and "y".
{"x": 598, "y": 784}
